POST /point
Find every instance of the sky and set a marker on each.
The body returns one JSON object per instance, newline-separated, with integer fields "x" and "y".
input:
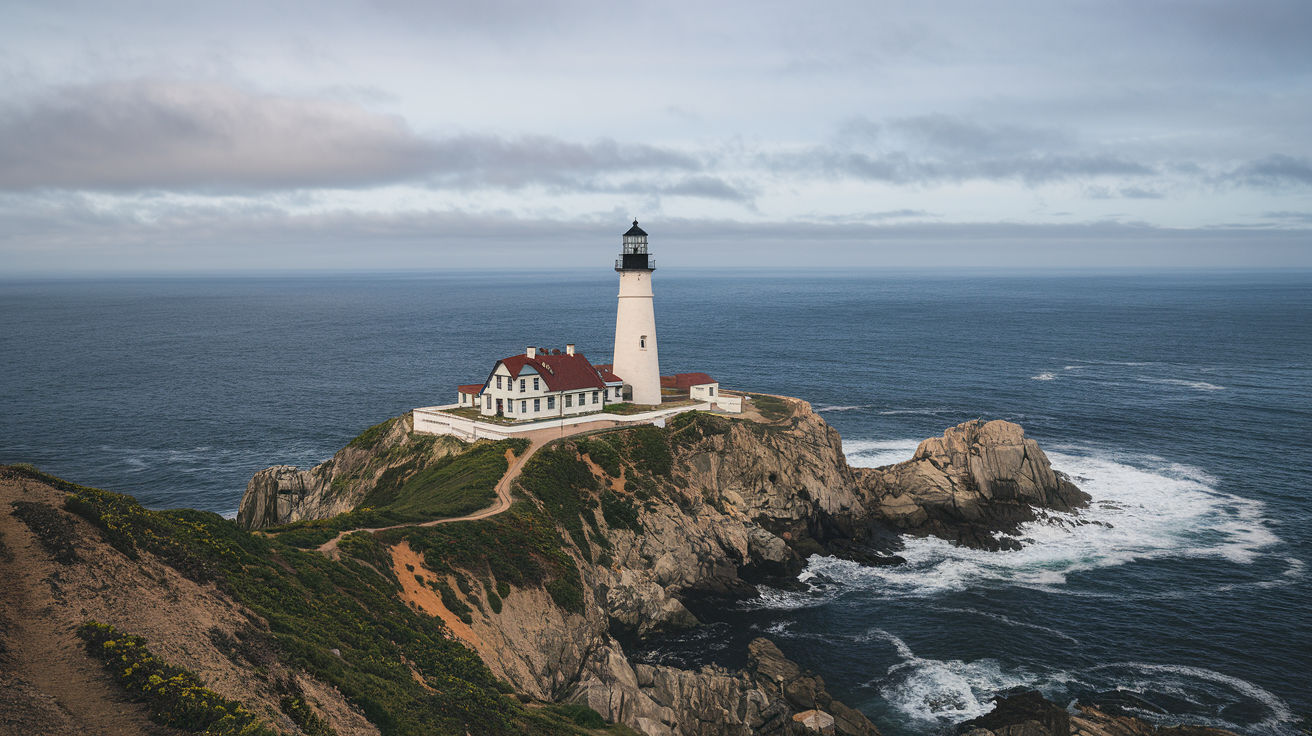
{"x": 144, "y": 135}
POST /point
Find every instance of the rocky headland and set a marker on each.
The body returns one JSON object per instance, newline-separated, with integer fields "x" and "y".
{"x": 350, "y": 607}
{"x": 711, "y": 506}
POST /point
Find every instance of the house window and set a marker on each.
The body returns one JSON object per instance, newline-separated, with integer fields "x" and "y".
{"x": 569, "y": 400}
{"x": 523, "y": 407}
{"x": 712, "y": 390}
{"x": 489, "y": 402}
{"x": 535, "y": 384}
{"x": 606, "y": 394}
{"x": 596, "y": 396}
{"x": 510, "y": 407}
{"x": 583, "y": 399}
{"x": 642, "y": 342}
{"x": 537, "y": 404}
{"x": 551, "y": 402}
{"x": 498, "y": 381}
{"x": 522, "y": 384}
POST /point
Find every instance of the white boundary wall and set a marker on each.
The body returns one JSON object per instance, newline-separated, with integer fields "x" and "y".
{"x": 435, "y": 420}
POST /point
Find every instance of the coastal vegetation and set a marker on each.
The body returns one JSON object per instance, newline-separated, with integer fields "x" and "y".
{"x": 772, "y": 408}
{"x": 414, "y": 488}
{"x": 177, "y": 698}
{"x": 339, "y": 621}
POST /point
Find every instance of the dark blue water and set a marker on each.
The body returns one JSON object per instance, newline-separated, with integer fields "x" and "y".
{"x": 1183, "y": 403}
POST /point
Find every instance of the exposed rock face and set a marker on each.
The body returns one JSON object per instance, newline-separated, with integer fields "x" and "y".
{"x": 1030, "y": 714}
{"x": 977, "y": 479}
{"x": 283, "y": 493}
{"x": 773, "y": 696}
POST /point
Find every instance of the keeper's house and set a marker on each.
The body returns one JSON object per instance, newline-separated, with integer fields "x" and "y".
{"x": 540, "y": 384}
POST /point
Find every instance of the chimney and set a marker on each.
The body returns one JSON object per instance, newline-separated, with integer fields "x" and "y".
{"x": 569, "y": 348}
{"x": 531, "y": 352}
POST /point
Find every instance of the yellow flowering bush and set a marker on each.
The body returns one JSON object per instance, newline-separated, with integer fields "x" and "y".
{"x": 177, "y": 698}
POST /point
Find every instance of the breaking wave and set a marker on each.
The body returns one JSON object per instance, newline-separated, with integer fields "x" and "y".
{"x": 1044, "y": 377}
{"x": 877, "y": 453}
{"x": 1200, "y": 385}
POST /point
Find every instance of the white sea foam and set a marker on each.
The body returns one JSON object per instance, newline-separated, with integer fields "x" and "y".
{"x": 922, "y": 412}
{"x": 1045, "y": 377}
{"x": 842, "y": 408}
{"x": 1188, "y": 681}
{"x": 936, "y": 690}
{"x": 876, "y": 453}
{"x": 1152, "y": 509}
{"x": 1200, "y": 385}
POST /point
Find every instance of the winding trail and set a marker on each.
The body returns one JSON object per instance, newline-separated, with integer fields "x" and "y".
{"x": 536, "y": 439}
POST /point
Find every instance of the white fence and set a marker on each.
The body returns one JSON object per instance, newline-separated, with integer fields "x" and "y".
{"x": 435, "y": 420}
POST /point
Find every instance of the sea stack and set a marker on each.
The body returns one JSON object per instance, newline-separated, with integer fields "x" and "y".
{"x": 636, "y": 360}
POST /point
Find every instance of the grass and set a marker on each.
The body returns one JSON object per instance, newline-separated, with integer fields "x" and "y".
{"x": 602, "y": 453}
{"x": 416, "y": 489}
{"x": 772, "y": 408}
{"x": 627, "y": 409}
{"x": 519, "y": 547}
{"x": 314, "y": 604}
{"x": 176, "y": 697}
{"x": 455, "y": 485}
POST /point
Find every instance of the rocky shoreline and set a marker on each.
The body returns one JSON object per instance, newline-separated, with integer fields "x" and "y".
{"x": 742, "y": 503}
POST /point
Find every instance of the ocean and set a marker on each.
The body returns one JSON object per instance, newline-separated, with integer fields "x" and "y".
{"x": 1181, "y": 401}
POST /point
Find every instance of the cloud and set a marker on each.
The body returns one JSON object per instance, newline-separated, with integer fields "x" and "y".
{"x": 173, "y": 135}
{"x": 66, "y": 232}
{"x": 1295, "y": 216}
{"x": 932, "y": 149}
{"x": 1275, "y": 170}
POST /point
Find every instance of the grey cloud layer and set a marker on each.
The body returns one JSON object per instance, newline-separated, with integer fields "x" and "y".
{"x": 157, "y": 134}
{"x": 217, "y": 237}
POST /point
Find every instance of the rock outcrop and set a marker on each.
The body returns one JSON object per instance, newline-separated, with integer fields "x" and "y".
{"x": 1030, "y": 714}
{"x": 283, "y": 494}
{"x": 772, "y": 696}
{"x": 978, "y": 479}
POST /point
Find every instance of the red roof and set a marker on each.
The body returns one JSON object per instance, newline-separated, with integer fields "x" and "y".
{"x": 473, "y": 389}
{"x": 607, "y": 373}
{"x": 684, "y": 381}
{"x": 560, "y": 372}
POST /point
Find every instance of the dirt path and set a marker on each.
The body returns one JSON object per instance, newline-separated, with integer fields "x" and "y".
{"x": 48, "y": 684}
{"x": 536, "y": 440}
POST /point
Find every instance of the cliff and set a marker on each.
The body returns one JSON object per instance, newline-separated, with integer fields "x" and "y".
{"x": 644, "y": 522}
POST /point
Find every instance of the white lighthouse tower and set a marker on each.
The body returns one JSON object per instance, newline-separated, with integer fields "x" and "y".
{"x": 635, "y": 322}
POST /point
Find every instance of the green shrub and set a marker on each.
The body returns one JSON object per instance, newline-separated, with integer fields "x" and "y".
{"x": 579, "y": 714}
{"x": 454, "y": 604}
{"x": 563, "y": 483}
{"x": 649, "y": 451}
{"x": 314, "y": 604}
{"x": 176, "y": 697}
{"x": 603, "y": 454}
{"x": 370, "y": 437}
{"x": 52, "y": 529}
{"x": 493, "y": 600}
{"x": 620, "y": 513}
{"x": 772, "y": 408}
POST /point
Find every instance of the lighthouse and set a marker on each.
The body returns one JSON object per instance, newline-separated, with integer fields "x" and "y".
{"x": 635, "y": 322}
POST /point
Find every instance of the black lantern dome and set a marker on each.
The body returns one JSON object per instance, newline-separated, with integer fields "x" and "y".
{"x": 633, "y": 256}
